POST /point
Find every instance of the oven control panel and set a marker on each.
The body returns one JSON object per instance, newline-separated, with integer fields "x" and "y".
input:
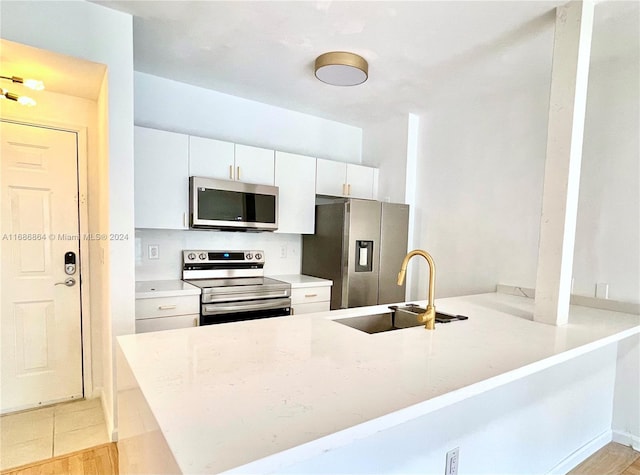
{"x": 217, "y": 257}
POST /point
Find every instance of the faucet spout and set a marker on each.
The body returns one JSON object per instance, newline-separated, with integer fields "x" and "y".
{"x": 428, "y": 317}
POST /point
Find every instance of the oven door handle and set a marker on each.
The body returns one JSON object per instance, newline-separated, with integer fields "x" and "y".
{"x": 214, "y": 309}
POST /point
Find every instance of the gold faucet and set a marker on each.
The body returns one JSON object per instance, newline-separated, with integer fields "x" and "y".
{"x": 428, "y": 317}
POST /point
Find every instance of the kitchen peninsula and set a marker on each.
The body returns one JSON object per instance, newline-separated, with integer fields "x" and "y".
{"x": 305, "y": 394}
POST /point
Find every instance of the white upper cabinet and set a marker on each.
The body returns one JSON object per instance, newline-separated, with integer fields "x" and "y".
{"x": 211, "y": 158}
{"x": 228, "y": 161}
{"x": 360, "y": 181}
{"x": 331, "y": 178}
{"x": 161, "y": 179}
{"x": 345, "y": 179}
{"x": 254, "y": 165}
{"x": 296, "y": 178}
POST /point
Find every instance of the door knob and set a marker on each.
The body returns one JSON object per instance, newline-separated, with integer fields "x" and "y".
{"x": 70, "y": 282}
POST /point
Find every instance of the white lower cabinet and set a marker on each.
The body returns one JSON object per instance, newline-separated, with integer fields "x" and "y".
{"x": 166, "y": 323}
{"x": 167, "y": 313}
{"x": 310, "y": 299}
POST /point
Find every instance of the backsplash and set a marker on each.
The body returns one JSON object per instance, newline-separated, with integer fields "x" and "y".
{"x": 282, "y": 251}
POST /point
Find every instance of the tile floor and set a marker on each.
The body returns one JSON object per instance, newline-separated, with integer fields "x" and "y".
{"x": 40, "y": 434}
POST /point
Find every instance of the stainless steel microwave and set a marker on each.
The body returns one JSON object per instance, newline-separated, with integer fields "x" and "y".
{"x": 232, "y": 205}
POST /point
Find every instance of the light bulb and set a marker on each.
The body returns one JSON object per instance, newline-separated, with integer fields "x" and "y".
{"x": 26, "y": 101}
{"x": 34, "y": 84}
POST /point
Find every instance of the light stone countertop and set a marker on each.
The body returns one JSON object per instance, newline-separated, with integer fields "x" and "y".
{"x": 257, "y": 395}
{"x": 148, "y": 289}
{"x": 299, "y": 281}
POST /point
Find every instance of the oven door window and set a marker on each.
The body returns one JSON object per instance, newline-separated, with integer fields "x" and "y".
{"x": 221, "y": 205}
{"x": 249, "y": 310}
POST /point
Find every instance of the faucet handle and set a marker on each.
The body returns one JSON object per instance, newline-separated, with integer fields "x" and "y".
{"x": 428, "y": 317}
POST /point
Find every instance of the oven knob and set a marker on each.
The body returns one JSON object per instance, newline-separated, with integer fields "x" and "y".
{"x": 258, "y": 256}
{"x": 191, "y": 256}
{"x": 202, "y": 256}
{"x": 249, "y": 256}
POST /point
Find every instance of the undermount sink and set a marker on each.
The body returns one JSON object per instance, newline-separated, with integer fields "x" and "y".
{"x": 379, "y": 322}
{"x": 399, "y": 318}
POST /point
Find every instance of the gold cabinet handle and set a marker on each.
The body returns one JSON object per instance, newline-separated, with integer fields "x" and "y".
{"x": 230, "y": 172}
{"x": 166, "y": 307}
{"x": 349, "y": 189}
{"x": 344, "y": 189}
{"x": 308, "y": 296}
{"x": 195, "y": 322}
{"x": 238, "y": 174}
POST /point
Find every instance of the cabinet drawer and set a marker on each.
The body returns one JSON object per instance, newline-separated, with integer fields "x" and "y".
{"x": 167, "y": 306}
{"x": 310, "y": 307}
{"x": 166, "y": 323}
{"x": 311, "y": 294}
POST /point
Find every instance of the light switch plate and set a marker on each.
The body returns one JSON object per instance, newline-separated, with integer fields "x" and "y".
{"x": 154, "y": 251}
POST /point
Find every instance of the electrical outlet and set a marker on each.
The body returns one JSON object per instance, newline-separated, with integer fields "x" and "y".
{"x": 283, "y": 252}
{"x": 451, "y": 468}
{"x": 153, "y": 251}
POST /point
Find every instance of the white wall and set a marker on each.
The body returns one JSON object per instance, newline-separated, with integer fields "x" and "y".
{"x": 173, "y": 242}
{"x": 528, "y": 426}
{"x": 626, "y": 408}
{"x": 69, "y": 112}
{"x": 169, "y": 105}
{"x": 95, "y": 33}
{"x": 384, "y": 145}
{"x": 607, "y": 248}
{"x": 480, "y": 177}
{"x": 479, "y": 190}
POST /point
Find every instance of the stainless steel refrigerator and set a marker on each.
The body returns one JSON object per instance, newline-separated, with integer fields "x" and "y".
{"x": 359, "y": 245}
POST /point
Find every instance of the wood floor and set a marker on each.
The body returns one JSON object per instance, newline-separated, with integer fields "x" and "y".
{"x": 612, "y": 459}
{"x": 100, "y": 460}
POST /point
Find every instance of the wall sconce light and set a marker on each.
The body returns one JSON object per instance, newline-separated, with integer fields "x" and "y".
{"x": 24, "y": 100}
{"x": 34, "y": 84}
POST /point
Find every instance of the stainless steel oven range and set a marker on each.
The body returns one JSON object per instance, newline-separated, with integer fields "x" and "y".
{"x": 234, "y": 287}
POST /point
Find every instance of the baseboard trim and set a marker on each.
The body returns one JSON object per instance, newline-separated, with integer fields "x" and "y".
{"x": 625, "y": 438}
{"x": 111, "y": 431}
{"x": 583, "y": 453}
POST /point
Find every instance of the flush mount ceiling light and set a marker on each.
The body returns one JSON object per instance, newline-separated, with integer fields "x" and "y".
{"x": 340, "y": 68}
{"x": 24, "y": 100}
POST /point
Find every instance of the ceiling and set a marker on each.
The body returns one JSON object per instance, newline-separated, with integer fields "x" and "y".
{"x": 419, "y": 52}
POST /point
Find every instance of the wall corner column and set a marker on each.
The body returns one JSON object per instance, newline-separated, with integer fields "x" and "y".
{"x": 567, "y": 105}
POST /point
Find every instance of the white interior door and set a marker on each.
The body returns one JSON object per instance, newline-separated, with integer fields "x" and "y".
{"x": 40, "y": 332}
